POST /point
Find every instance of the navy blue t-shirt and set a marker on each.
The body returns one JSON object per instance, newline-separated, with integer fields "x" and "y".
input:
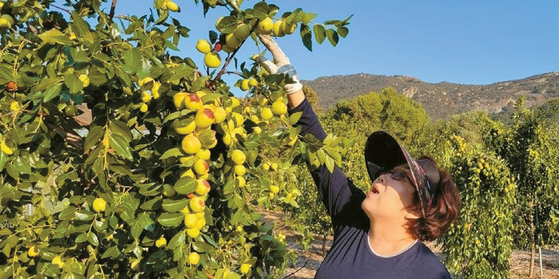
{"x": 351, "y": 255}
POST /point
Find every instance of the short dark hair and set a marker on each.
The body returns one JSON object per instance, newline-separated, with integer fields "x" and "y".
{"x": 444, "y": 209}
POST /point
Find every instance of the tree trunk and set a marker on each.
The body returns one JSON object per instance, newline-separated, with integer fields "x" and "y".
{"x": 533, "y": 240}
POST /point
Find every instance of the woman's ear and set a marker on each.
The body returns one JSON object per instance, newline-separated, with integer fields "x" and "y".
{"x": 412, "y": 216}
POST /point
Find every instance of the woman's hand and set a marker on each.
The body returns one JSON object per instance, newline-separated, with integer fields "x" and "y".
{"x": 282, "y": 65}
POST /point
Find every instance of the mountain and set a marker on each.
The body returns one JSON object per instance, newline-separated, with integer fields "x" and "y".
{"x": 440, "y": 100}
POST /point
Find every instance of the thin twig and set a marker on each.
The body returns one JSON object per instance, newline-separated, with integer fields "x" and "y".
{"x": 292, "y": 273}
{"x": 222, "y": 71}
{"x": 112, "y": 13}
{"x": 60, "y": 8}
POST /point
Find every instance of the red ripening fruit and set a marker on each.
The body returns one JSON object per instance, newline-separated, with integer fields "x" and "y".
{"x": 190, "y": 196}
{"x": 12, "y": 86}
{"x": 217, "y": 47}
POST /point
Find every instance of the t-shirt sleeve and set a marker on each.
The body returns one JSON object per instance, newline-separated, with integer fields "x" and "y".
{"x": 334, "y": 188}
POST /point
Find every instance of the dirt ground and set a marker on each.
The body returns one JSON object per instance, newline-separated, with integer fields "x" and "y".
{"x": 309, "y": 261}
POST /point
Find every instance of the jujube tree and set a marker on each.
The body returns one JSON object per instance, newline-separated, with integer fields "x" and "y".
{"x": 121, "y": 159}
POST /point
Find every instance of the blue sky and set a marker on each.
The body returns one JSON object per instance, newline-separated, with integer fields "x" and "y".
{"x": 459, "y": 41}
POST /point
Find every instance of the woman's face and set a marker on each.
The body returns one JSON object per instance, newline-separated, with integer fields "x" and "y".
{"x": 390, "y": 195}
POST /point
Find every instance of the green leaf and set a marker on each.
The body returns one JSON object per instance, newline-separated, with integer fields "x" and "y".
{"x": 93, "y": 239}
{"x": 112, "y": 252}
{"x": 81, "y": 238}
{"x": 261, "y": 10}
{"x": 153, "y": 204}
{"x": 93, "y": 137}
{"x": 177, "y": 240}
{"x": 97, "y": 77}
{"x": 145, "y": 221}
{"x": 120, "y": 128}
{"x": 319, "y": 33}
{"x": 343, "y": 31}
{"x": 346, "y": 21}
{"x": 132, "y": 61}
{"x": 332, "y": 22}
{"x": 306, "y": 36}
{"x": 329, "y": 163}
{"x": 73, "y": 83}
{"x": 151, "y": 189}
{"x": 173, "y": 152}
{"x": 199, "y": 83}
{"x": 307, "y": 18}
{"x": 120, "y": 145}
{"x": 80, "y": 27}
{"x": 294, "y": 118}
{"x": 52, "y": 92}
{"x": 227, "y": 24}
{"x": 202, "y": 247}
{"x": 84, "y": 215}
{"x": 136, "y": 230}
{"x": 170, "y": 219}
{"x": 332, "y": 37}
{"x": 185, "y": 185}
{"x": 175, "y": 205}
{"x": 321, "y": 156}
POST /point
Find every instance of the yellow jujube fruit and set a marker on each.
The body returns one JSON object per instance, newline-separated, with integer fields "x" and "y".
{"x": 245, "y": 268}
{"x": 33, "y": 251}
{"x": 161, "y": 242}
{"x": 240, "y": 170}
{"x": 279, "y": 108}
{"x": 190, "y": 221}
{"x": 238, "y": 157}
{"x": 172, "y": 6}
{"x": 212, "y": 59}
{"x": 193, "y": 233}
{"x": 144, "y": 107}
{"x": 184, "y": 127}
{"x": 191, "y": 144}
{"x": 99, "y": 205}
{"x": 240, "y": 181}
{"x": 146, "y": 97}
{"x": 266, "y": 113}
{"x": 201, "y": 167}
{"x": 193, "y": 258}
{"x": 84, "y": 79}
{"x": 278, "y": 28}
{"x": 178, "y": 100}
{"x": 265, "y": 26}
{"x": 245, "y": 85}
{"x": 232, "y": 41}
{"x": 203, "y": 46}
{"x": 242, "y": 31}
{"x": 219, "y": 114}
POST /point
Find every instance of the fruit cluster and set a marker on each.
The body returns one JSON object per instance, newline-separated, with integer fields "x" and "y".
{"x": 199, "y": 138}
{"x": 150, "y": 90}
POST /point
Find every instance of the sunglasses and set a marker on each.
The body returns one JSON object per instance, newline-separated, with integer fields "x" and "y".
{"x": 398, "y": 174}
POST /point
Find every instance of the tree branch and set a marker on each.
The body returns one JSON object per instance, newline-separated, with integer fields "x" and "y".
{"x": 112, "y": 13}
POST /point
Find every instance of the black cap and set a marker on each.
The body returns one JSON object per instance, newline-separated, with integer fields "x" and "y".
{"x": 383, "y": 153}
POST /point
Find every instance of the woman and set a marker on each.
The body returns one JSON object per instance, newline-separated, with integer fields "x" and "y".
{"x": 377, "y": 234}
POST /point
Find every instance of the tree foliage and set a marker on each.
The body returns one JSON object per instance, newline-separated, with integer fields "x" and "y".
{"x": 165, "y": 174}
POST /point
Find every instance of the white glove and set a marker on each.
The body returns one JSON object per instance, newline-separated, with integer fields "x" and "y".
{"x": 281, "y": 64}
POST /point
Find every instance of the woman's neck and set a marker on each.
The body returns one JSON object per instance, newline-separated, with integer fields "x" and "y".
{"x": 389, "y": 238}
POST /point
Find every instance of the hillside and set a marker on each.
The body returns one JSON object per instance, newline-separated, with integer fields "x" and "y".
{"x": 440, "y": 100}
